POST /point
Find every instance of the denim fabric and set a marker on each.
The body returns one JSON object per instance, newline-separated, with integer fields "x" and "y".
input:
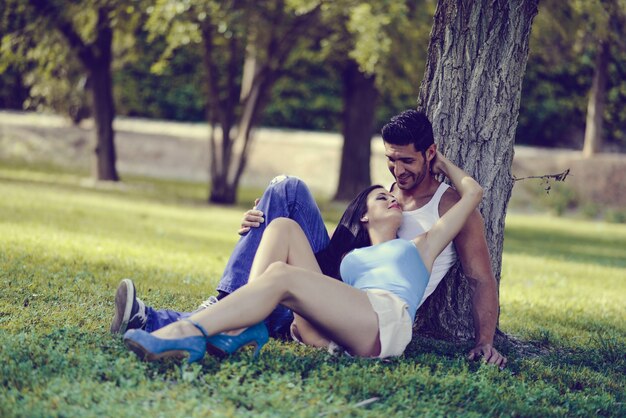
{"x": 156, "y": 319}
{"x": 287, "y": 197}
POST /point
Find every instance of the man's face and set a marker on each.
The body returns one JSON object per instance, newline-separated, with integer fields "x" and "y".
{"x": 407, "y": 165}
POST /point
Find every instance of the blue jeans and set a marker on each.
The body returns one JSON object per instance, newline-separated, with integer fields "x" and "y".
{"x": 285, "y": 197}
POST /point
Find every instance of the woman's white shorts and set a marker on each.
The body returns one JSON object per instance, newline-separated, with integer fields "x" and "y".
{"x": 395, "y": 326}
{"x": 394, "y": 322}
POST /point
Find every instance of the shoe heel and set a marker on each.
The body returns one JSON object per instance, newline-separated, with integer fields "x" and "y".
{"x": 195, "y": 355}
{"x": 256, "y": 335}
{"x": 261, "y": 339}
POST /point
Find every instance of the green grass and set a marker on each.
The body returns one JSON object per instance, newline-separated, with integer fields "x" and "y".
{"x": 65, "y": 244}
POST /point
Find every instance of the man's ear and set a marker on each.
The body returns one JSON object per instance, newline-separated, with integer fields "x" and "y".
{"x": 430, "y": 152}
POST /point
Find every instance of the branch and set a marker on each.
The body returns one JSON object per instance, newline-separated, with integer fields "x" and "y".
{"x": 546, "y": 179}
{"x": 557, "y": 177}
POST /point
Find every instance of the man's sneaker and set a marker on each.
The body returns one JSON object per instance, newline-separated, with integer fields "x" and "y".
{"x": 130, "y": 311}
{"x": 212, "y": 300}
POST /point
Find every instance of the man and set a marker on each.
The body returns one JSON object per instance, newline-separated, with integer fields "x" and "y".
{"x": 409, "y": 149}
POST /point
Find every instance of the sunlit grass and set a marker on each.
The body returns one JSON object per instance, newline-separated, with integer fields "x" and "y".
{"x": 65, "y": 243}
{"x": 564, "y": 279}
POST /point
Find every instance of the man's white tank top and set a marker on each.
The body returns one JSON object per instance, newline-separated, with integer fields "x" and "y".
{"x": 417, "y": 222}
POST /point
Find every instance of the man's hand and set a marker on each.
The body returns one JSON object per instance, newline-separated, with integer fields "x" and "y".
{"x": 251, "y": 219}
{"x": 489, "y": 354}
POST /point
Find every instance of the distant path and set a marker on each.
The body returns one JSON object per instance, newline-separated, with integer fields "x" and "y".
{"x": 180, "y": 151}
{"x": 172, "y": 149}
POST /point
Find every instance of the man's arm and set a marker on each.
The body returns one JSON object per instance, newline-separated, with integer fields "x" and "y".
{"x": 471, "y": 247}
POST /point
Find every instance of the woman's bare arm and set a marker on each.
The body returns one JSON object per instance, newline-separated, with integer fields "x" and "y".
{"x": 432, "y": 243}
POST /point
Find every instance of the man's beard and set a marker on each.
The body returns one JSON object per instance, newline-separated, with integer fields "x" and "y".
{"x": 418, "y": 179}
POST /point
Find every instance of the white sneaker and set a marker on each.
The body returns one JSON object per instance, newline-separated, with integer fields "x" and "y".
{"x": 212, "y": 300}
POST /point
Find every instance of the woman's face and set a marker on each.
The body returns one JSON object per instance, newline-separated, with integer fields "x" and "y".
{"x": 382, "y": 207}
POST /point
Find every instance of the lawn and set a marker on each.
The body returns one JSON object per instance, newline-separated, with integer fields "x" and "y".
{"x": 65, "y": 243}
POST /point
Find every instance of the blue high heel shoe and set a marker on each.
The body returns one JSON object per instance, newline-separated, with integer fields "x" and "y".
{"x": 222, "y": 344}
{"x": 151, "y": 348}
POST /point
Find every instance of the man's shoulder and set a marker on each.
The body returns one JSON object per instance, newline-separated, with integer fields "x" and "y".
{"x": 448, "y": 199}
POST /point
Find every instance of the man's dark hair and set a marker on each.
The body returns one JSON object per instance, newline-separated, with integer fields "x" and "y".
{"x": 409, "y": 127}
{"x": 350, "y": 234}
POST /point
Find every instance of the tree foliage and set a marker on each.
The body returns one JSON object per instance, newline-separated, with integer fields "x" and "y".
{"x": 387, "y": 39}
{"x": 33, "y": 46}
{"x": 244, "y": 47}
{"x": 564, "y": 43}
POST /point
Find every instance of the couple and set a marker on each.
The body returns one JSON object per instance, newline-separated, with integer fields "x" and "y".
{"x": 371, "y": 313}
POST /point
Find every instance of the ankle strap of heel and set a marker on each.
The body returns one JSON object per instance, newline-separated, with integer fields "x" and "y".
{"x": 197, "y": 325}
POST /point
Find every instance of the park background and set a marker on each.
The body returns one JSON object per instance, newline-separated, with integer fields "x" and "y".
{"x": 67, "y": 237}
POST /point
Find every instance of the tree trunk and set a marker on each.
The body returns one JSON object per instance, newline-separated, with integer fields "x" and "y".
{"x": 265, "y": 54}
{"x": 98, "y": 63}
{"x": 222, "y": 192}
{"x": 253, "y": 97}
{"x": 471, "y": 93}
{"x": 224, "y": 183}
{"x": 359, "y": 107}
{"x": 104, "y": 112}
{"x": 597, "y": 99}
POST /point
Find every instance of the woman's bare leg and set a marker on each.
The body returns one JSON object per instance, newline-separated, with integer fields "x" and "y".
{"x": 338, "y": 310}
{"x": 284, "y": 240}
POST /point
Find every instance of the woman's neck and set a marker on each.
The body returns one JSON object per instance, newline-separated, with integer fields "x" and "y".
{"x": 380, "y": 236}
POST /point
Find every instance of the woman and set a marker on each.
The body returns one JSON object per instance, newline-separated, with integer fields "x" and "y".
{"x": 370, "y": 313}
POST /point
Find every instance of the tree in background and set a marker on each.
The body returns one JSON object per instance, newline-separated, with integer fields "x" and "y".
{"x": 379, "y": 47}
{"x": 369, "y": 44}
{"x": 53, "y": 33}
{"x": 608, "y": 21}
{"x": 574, "y": 43}
{"x": 245, "y": 45}
{"x": 471, "y": 92}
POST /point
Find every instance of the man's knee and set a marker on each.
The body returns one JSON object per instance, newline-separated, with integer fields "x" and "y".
{"x": 292, "y": 187}
{"x": 281, "y": 178}
{"x": 284, "y": 182}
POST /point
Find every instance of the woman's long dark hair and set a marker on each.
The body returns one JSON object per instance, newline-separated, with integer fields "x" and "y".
{"x": 350, "y": 233}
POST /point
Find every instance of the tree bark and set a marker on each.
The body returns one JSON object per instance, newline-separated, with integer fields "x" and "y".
{"x": 103, "y": 105}
{"x": 104, "y": 113}
{"x": 597, "y": 100}
{"x": 471, "y": 92}
{"x": 360, "y": 97}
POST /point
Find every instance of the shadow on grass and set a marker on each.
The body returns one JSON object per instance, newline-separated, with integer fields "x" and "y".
{"x": 148, "y": 189}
